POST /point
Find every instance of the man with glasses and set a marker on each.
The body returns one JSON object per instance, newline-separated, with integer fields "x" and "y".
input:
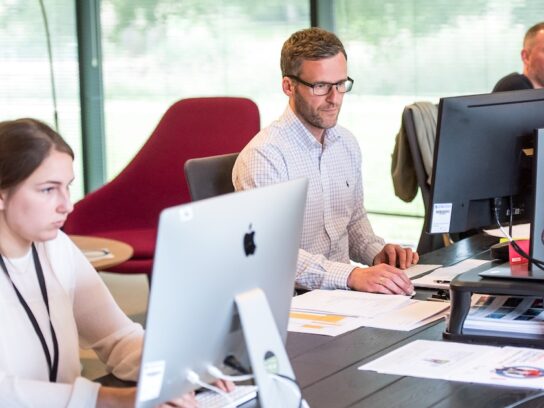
{"x": 306, "y": 142}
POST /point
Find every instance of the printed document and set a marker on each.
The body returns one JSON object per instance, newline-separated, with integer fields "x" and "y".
{"x": 444, "y": 360}
{"x": 347, "y": 302}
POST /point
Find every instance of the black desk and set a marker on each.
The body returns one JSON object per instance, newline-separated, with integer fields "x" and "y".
{"x": 326, "y": 367}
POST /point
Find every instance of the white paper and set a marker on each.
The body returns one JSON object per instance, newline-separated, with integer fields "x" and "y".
{"x": 323, "y": 324}
{"x": 418, "y": 269}
{"x": 149, "y": 386}
{"x": 391, "y": 312}
{"x": 440, "y": 278}
{"x": 428, "y": 359}
{"x": 347, "y": 303}
{"x": 508, "y": 366}
{"x": 417, "y": 313}
{"x": 441, "y": 217}
{"x": 521, "y": 231}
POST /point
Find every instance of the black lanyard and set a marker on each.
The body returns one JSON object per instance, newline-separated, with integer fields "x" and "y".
{"x": 53, "y": 364}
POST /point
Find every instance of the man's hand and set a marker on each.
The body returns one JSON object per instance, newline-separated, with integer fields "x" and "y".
{"x": 395, "y": 255}
{"x": 382, "y": 278}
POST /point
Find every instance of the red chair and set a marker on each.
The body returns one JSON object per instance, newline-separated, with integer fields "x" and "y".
{"x": 128, "y": 207}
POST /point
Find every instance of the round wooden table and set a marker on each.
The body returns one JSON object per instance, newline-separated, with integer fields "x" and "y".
{"x": 103, "y": 253}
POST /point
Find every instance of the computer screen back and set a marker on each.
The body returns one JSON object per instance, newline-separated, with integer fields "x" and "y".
{"x": 208, "y": 252}
{"x": 479, "y": 156}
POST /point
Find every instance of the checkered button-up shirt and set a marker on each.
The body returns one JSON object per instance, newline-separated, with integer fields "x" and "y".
{"x": 336, "y": 228}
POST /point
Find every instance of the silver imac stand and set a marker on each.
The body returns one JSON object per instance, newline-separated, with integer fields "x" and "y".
{"x": 266, "y": 351}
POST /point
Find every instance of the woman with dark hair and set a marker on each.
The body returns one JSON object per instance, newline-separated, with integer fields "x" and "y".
{"x": 51, "y": 298}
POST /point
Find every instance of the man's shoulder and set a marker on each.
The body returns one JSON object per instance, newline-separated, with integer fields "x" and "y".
{"x": 513, "y": 82}
{"x": 267, "y": 144}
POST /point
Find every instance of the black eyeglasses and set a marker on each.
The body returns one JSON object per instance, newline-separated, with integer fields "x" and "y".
{"x": 323, "y": 88}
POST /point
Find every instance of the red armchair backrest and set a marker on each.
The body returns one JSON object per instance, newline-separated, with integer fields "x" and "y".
{"x": 154, "y": 179}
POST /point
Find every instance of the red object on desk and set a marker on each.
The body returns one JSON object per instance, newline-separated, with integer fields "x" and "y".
{"x": 515, "y": 257}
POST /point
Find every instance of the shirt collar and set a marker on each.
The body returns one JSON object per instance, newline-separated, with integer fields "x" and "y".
{"x": 304, "y": 135}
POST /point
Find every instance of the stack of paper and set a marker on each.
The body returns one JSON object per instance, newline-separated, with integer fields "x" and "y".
{"x": 332, "y": 312}
{"x": 515, "y": 314}
{"x": 509, "y": 366}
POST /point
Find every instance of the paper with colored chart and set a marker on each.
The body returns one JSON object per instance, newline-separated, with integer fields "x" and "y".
{"x": 324, "y": 324}
{"x": 335, "y": 312}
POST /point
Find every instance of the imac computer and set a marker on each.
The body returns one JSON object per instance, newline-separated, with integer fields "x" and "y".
{"x": 487, "y": 166}
{"x": 222, "y": 283}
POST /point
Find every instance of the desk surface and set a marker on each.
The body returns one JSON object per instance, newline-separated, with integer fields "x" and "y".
{"x": 326, "y": 367}
{"x": 118, "y": 251}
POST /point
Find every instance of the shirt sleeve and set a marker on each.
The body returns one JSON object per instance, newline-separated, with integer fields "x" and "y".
{"x": 258, "y": 167}
{"x": 18, "y": 392}
{"x": 102, "y": 325}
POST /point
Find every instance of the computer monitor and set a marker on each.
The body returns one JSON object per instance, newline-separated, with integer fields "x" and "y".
{"x": 209, "y": 255}
{"x": 484, "y": 154}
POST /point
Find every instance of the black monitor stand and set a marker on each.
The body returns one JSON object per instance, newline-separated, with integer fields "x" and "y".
{"x": 462, "y": 287}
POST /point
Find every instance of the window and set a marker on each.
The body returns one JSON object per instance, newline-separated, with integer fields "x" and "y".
{"x": 157, "y": 52}
{"x": 402, "y": 51}
{"x": 25, "y": 71}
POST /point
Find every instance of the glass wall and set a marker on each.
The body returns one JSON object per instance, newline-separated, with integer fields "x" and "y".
{"x": 159, "y": 51}
{"x": 402, "y": 51}
{"x": 25, "y": 72}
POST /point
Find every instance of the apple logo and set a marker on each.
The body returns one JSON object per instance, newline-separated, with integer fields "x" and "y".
{"x": 249, "y": 242}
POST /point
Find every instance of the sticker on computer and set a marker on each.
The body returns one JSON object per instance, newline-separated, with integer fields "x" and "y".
{"x": 441, "y": 217}
{"x": 151, "y": 380}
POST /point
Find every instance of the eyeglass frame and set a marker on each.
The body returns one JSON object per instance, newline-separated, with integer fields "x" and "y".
{"x": 312, "y": 86}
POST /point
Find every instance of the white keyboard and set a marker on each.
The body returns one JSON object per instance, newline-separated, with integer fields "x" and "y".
{"x": 241, "y": 394}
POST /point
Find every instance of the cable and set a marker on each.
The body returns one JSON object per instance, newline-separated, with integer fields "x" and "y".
{"x": 194, "y": 379}
{"x": 232, "y": 362}
{"x": 217, "y": 373}
{"x": 514, "y": 244}
{"x": 511, "y": 219}
{"x": 51, "y": 69}
{"x": 293, "y": 385}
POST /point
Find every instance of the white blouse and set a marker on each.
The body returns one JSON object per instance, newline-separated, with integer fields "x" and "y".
{"x": 83, "y": 313}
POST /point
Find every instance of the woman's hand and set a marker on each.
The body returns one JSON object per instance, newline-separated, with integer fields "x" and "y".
{"x": 110, "y": 397}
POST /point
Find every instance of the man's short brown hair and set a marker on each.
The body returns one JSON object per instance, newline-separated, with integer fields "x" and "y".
{"x": 308, "y": 44}
{"x": 531, "y": 34}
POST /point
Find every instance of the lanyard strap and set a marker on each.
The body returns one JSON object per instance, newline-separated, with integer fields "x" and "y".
{"x": 52, "y": 363}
